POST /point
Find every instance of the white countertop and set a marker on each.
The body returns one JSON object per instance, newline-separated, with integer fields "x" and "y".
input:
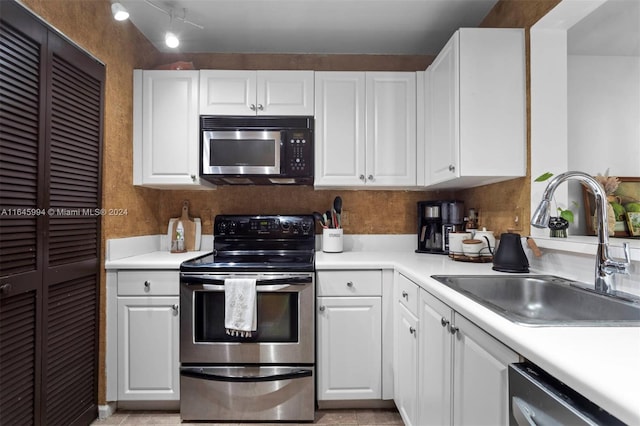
{"x": 601, "y": 363}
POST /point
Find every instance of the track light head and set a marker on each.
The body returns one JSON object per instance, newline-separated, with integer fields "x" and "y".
{"x": 119, "y": 12}
{"x": 171, "y": 40}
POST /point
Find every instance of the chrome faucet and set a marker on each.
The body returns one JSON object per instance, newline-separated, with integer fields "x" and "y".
{"x": 605, "y": 265}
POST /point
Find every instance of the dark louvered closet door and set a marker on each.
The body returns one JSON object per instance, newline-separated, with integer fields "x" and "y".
{"x": 73, "y": 242}
{"x": 21, "y": 194}
{"x": 50, "y": 155}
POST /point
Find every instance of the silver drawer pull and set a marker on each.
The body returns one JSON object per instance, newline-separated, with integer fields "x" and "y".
{"x": 444, "y": 321}
{"x": 322, "y": 308}
{"x": 350, "y": 284}
{"x": 412, "y": 330}
{"x": 176, "y": 308}
{"x": 147, "y": 284}
{"x": 405, "y": 295}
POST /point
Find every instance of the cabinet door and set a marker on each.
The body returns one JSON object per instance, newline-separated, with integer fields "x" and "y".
{"x": 391, "y": 128}
{"x": 340, "y": 129}
{"x": 166, "y": 128}
{"x": 434, "y": 385}
{"x": 285, "y": 93}
{"x": 443, "y": 147}
{"x": 349, "y": 360}
{"x": 406, "y": 362}
{"x": 148, "y": 348}
{"x": 228, "y": 92}
{"x": 480, "y": 382}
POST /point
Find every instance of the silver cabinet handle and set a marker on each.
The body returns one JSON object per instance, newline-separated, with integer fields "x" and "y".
{"x": 260, "y": 107}
{"x": 452, "y": 168}
{"x": 453, "y": 329}
{"x": 444, "y": 321}
{"x": 405, "y": 295}
{"x": 193, "y": 178}
{"x": 361, "y": 177}
{"x": 176, "y": 309}
{"x": 370, "y": 177}
{"x": 412, "y": 330}
{"x": 252, "y": 107}
{"x": 147, "y": 284}
{"x": 322, "y": 308}
{"x": 350, "y": 284}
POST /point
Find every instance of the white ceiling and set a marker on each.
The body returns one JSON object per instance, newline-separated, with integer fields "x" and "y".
{"x": 403, "y": 27}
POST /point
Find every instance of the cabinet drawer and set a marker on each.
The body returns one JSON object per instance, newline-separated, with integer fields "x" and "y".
{"x": 349, "y": 283}
{"x": 148, "y": 283}
{"x": 407, "y": 293}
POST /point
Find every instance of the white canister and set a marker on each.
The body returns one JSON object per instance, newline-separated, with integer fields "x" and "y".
{"x": 455, "y": 242}
{"x": 488, "y": 241}
{"x": 471, "y": 248}
{"x": 332, "y": 239}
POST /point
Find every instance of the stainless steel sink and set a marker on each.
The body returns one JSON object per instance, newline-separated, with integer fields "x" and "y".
{"x": 545, "y": 300}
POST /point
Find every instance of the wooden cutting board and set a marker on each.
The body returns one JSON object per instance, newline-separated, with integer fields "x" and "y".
{"x": 189, "y": 226}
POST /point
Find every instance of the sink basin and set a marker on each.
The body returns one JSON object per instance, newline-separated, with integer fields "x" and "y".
{"x": 544, "y": 300}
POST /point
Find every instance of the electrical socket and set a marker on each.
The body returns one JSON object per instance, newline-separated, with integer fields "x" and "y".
{"x": 516, "y": 223}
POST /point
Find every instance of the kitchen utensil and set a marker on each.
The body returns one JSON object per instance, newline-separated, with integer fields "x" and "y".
{"x": 317, "y": 216}
{"x": 471, "y": 248}
{"x": 510, "y": 256}
{"x": 192, "y": 230}
{"x": 337, "y": 206}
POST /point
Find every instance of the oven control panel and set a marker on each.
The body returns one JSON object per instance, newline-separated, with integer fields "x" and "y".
{"x": 264, "y": 226}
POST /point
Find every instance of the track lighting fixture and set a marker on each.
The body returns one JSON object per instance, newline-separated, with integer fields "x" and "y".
{"x": 119, "y": 12}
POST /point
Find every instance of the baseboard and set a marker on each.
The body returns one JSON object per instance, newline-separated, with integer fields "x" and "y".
{"x": 105, "y": 411}
{"x": 356, "y": 403}
{"x": 149, "y": 405}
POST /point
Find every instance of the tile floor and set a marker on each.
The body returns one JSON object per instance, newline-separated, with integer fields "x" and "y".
{"x": 368, "y": 417}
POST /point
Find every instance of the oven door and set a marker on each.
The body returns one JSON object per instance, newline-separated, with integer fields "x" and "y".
{"x": 241, "y": 152}
{"x": 285, "y": 321}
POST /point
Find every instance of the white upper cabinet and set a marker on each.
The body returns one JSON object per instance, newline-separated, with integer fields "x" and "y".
{"x": 365, "y": 129}
{"x": 233, "y": 92}
{"x": 165, "y": 129}
{"x": 475, "y": 100}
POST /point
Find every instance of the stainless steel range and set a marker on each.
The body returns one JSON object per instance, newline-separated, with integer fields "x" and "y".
{"x": 269, "y": 375}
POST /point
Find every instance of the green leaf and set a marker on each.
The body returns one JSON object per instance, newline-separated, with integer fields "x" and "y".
{"x": 543, "y": 177}
{"x": 566, "y": 215}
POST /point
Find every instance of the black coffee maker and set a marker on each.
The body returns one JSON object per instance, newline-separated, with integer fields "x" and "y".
{"x": 436, "y": 219}
{"x": 510, "y": 256}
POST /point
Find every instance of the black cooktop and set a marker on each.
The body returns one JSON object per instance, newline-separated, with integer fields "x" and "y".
{"x": 271, "y": 243}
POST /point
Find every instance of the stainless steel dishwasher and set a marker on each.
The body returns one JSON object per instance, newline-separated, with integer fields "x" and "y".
{"x": 536, "y": 398}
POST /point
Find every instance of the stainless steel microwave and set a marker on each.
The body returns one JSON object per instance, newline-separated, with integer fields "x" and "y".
{"x": 259, "y": 150}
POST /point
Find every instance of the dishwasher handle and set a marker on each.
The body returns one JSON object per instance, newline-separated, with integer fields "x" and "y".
{"x": 522, "y": 412}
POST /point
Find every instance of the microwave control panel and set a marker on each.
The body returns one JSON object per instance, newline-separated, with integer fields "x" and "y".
{"x": 298, "y": 153}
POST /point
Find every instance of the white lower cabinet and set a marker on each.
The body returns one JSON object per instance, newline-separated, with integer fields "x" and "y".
{"x": 463, "y": 370}
{"x": 349, "y": 335}
{"x": 406, "y": 386}
{"x": 148, "y": 336}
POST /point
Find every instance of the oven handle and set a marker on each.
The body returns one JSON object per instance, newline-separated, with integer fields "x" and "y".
{"x": 296, "y": 373}
{"x": 217, "y": 281}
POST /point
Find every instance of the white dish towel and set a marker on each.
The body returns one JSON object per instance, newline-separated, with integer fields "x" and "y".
{"x": 240, "y": 306}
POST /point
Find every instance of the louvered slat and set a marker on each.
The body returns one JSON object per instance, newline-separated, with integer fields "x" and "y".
{"x": 71, "y": 347}
{"x": 17, "y": 358}
{"x": 19, "y": 149}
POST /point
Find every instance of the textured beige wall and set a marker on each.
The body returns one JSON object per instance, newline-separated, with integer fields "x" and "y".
{"x": 122, "y": 48}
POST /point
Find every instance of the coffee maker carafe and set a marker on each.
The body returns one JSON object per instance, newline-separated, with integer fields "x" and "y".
{"x": 436, "y": 219}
